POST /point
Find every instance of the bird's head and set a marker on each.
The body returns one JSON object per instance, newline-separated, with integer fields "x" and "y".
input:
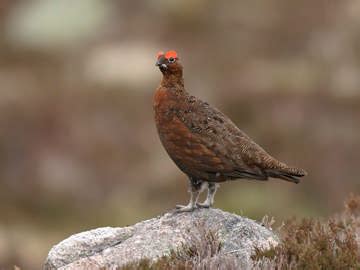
{"x": 169, "y": 63}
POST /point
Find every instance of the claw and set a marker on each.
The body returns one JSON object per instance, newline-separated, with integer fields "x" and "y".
{"x": 184, "y": 208}
{"x": 203, "y": 205}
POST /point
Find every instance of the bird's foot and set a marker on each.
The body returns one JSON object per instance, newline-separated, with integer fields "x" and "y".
{"x": 204, "y": 205}
{"x": 185, "y": 208}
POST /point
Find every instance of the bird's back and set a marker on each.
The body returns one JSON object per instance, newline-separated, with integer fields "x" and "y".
{"x": 205, "y": 143}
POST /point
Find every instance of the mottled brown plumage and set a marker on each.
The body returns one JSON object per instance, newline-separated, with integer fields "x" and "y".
{"x": 205, "y": 144}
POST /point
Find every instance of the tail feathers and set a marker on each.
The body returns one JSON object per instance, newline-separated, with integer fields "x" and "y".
{"x": 288, "y": 174}
{"x": 295, "y": 171}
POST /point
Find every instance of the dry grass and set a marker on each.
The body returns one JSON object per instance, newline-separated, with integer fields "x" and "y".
{"x": 317, "y": 244}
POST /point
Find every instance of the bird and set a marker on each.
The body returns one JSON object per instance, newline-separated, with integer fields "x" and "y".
{"x": 204, "y": 143}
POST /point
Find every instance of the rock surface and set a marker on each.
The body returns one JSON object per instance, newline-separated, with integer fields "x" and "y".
{"x": 115, "y": 247}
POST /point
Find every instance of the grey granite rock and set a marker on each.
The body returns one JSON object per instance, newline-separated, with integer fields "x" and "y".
{"x": 115, "y": 247}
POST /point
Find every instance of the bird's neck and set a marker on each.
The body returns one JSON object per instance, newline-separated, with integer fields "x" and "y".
{"x": 173, "y": 81}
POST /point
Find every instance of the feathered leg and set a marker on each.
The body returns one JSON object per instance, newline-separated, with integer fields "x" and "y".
{"x": 212, "y": 187}
{"x": 196, "y": 187}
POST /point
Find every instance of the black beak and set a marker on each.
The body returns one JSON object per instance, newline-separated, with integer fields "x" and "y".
{"x": 162, "y": 66}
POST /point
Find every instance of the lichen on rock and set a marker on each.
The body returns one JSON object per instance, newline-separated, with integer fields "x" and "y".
{"x": 113, "y": 248}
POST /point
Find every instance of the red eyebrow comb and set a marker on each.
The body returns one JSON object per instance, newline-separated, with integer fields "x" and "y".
{"x": 170, "y": 54}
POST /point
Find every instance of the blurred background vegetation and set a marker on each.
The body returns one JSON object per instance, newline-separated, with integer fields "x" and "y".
{"x": 78, "y": 145}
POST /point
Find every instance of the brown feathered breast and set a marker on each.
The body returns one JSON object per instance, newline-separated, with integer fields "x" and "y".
{"x": 207, "y": 145}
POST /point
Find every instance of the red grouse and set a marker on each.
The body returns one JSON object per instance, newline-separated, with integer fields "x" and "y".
{"x": 204, "y": 143}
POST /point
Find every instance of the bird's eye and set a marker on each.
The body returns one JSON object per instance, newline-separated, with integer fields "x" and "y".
{"x": 171, "y": 60}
